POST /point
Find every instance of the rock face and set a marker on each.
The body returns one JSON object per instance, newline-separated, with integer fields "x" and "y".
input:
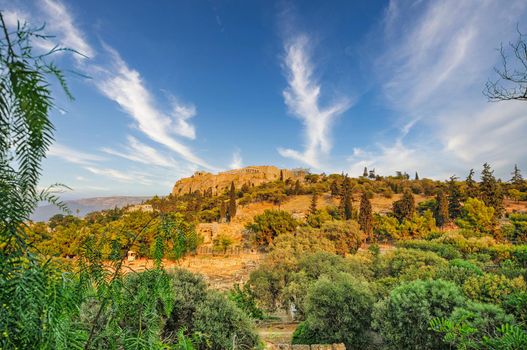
{"x": 251, "y": 175}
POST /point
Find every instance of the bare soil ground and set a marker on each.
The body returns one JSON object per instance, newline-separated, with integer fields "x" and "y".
{"x": 220, "y": 272}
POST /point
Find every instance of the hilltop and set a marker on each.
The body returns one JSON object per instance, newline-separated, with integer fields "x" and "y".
{"x": 252, "y": 176}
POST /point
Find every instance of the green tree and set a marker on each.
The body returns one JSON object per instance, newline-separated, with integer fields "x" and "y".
{"x": 517, "y": 178}
{"x": 490, "y": 191}
{"x": 403, "y": 317}
{"x": 454, "y": 198}
{"x": 334, "y": 188}
{"x": 337, "y": 310}
{"x": 471, "y": 186}
{"x": 365, "y": 172}
{"x": 313, "y": 205}
{"x": 270, "y": 224}
{"x": 476, "y": 216}
{"x": 346, "y": 235}
{"x": 366, "y": 216}
{"x": 346, "y": 205}
{"x": 416, "y": 176}
{"x": 405, "y": 207}
{"x": 223, "y": 211}
{"x": 231, "y": 210}
{"x": 441, "y": 211}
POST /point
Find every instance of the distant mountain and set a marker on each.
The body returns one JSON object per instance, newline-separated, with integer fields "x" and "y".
{"x": 81, "y": 207}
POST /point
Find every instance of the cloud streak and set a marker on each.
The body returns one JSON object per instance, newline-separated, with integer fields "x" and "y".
{"x": 302, "y": 97}
{"x": 125, "y": 86}
{"x": 436, "y": 58}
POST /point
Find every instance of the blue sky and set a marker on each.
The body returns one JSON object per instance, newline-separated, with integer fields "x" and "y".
{"x": 177, "y": 86}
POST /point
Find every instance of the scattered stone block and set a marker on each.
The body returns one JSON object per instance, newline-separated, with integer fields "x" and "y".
{"x": 300, "y": 347}
{"x": 321, "y": 347}
{"x": 284, "y": 347}
{"x": 340, "y": 346}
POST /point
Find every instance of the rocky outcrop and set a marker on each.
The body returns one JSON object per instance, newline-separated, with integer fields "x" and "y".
{"x": 251, "y": 175}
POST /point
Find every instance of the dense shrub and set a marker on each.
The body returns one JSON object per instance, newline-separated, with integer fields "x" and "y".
{"x": 476, "y": 216}
{"x": 458, "y": 271}
{"x": 516, "y": 304}
{"x": 337, "y": 310}
{"x": 309, "y": 269}
{"x": 444, "y": 250}
{"x": 410, "y": 263}
{"x": 492, "y": 288}
{"x": 223, "y": 325}
{"x": 270, "y": 224}
{"x": 519, "y": 222}
{"x": 403, "y": 317}
{"x": 189, "y": 290}
{"x": 346, "y": 235}
{"x": 485, "y": 319}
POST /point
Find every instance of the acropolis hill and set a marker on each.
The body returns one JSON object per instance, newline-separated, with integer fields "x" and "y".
{"x": 251, "y": 175}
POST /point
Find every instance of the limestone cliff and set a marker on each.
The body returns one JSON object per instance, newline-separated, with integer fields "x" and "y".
{"x": 251, "y": 175}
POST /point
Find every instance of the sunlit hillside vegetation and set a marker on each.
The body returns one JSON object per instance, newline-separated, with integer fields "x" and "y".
{"x": 371, "y": 261}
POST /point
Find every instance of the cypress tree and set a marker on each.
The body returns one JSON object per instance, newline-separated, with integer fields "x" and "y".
{"x": 471, "y": 186}
{"x": 416, "y": 176}
{"x": 223, "y": 211}
{"x": 231, "y": 213}
{"x": 346, "y": 206}
{"x": 365, "y": 172}
{"x": 281, "y": 175}
{"x": 490, "y": 191}
{"x": 517, "y": 178}
{"x": 404, "y": 208}
{"x": 441, "y": 211}
{"x": 298, "y": 188}
{"x": 454, "y": 198}
{"x": 313, "y": 206}
{"x": 366, "y": 216}
{"x": 334, "y": 187}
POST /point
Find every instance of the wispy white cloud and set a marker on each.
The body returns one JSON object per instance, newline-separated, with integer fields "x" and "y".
{"x": 125, "y": 86}
{"x": 114, "y": 174}
{"x": 72, "y": 155}
{"x": 61, "y": 22}
{"x": 435, "y": 61}
{"x": 237, "y": 161}
{"x": 139, "y": 152}
{"x": 302, "y": 98}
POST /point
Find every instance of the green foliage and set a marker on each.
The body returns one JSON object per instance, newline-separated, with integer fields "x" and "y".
{"x": 221, "y": 243}
{"x": 270, "y": 224}
{"x": 454, "y": 198}
{"x": 441, "y": 211}
{"x": 223, "y": 325}
{"x": 460, "y": 335}
{"x": 444, "y": 250}
{"x": 404, "y": 208}
{"x": 245, "y": 299}
{"x": 410, "y": 264}
{"x": 458, "y": 271}
{"x": 490, "y": 191}
{"x": 318, "y": 218}
{"x": 492, "y": 288}
{"x": 516, "y": 304}
{"x": 476, "y": 216}
{"x": 346, "y": 235}
{"x": 519, "y": 222}
{"x": 337, "y": 310}
{"x": 366, "y": 216}
{"x": 403, "y": 317}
